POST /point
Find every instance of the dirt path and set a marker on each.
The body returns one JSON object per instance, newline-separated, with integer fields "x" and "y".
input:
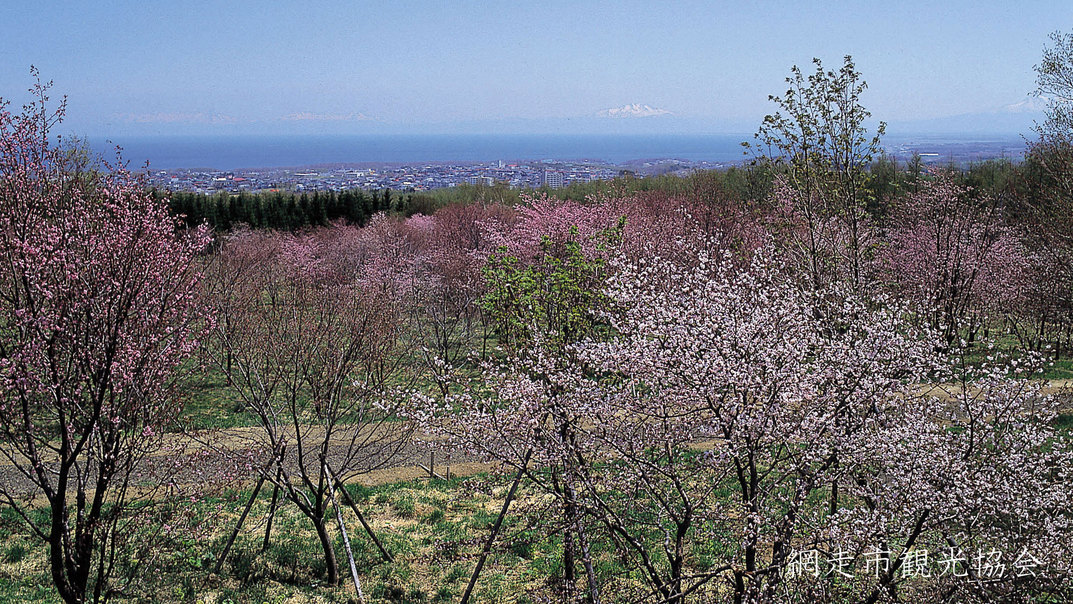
{"x": 238, "y": 453}
{"x": 227, "y": 448}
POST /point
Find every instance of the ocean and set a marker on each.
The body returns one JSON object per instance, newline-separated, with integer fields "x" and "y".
{"x": 247, "y": 152}
{"x": 241, "y": 152}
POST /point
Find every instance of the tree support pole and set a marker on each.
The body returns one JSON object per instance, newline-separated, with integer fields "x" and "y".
{"x": 495, "y": 528}
{"x": 271, "y": 514}
{"x": 346, "y": 538}
{"x": 361, "y": 518}
{"x": 238, "y": 527}
{"x": 431, "y": 474}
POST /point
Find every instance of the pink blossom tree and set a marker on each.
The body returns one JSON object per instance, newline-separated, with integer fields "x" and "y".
{"x": 455, "y": 243}
{"x": 818, "y": 426}
{"x": 99, "y": 305}
{"x": 541, "y": 300}
{"x": 316, "y": 357}
{"x": 973, "y": 474}
{"x": 735, "y": 357}
{"x": 954, "y": 254}
{"x": 1042, "y": 317}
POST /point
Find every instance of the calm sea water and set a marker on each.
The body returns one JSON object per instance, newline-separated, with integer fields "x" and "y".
{"x": 234, "y": 152}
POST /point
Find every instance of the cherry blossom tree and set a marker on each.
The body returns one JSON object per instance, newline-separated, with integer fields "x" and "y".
{"x": 963, "y": 494}
{"x": 953, "y": 253}
{"x": 1042, "y": 318}
{"x": 737, "y": 358}
{"x": 727, "y": 413}
{"x": 316, "y": 357}
{"x": 540, "y": 301}
{"x": 99, "y": 306}
{"x": 455, "y": 243}
{"x": 790, "y": 405}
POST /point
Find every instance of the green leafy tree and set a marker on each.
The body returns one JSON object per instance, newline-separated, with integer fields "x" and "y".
{"x": 1054, "y": 81}
{"x": 540, "y": 310}
{"x": 1052, "y": 153}
{"x": 1047, "y": 201}
{"x": 554, "y": 300}
{"x": 819, "y": 142}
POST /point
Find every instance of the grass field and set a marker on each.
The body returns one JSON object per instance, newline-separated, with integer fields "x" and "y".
{"x": 434, "y": 530}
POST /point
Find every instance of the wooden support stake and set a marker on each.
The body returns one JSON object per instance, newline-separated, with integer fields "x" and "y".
{"x": 346, "y": 538}
{"x": 271, "y": 515}
{"x": 361, "y": 518}
{"x": 431, "y": 474}
{"x": 238, "y": 527}
{"x": 495, "y": 528}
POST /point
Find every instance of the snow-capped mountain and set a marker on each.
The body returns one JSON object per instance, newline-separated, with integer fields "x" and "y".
{"x": 634, "y": 110}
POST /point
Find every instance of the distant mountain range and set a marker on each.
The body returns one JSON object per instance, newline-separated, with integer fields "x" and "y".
{"x": 1014, "y": 119}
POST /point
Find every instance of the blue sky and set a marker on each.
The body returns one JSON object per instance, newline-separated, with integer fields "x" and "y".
{"x": 347, "y": 66}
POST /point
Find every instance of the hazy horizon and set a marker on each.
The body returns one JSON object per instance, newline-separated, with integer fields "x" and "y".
{"x": 254, "y": 151}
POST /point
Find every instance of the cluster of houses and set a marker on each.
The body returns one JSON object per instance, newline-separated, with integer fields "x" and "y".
{"x": 550, "y": 173}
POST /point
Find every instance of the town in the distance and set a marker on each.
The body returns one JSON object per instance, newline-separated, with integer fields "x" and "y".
{"x": 527, "y": 174}
{"x": 549, "y": 173}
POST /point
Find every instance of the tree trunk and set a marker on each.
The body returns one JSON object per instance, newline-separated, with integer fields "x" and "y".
{"x": 586, "y": 560}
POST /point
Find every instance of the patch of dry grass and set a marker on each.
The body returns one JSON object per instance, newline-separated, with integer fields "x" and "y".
{"x": 434, "y": 529}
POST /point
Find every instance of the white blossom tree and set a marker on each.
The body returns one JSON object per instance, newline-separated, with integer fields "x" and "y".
{"x": 735, "y": 413}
